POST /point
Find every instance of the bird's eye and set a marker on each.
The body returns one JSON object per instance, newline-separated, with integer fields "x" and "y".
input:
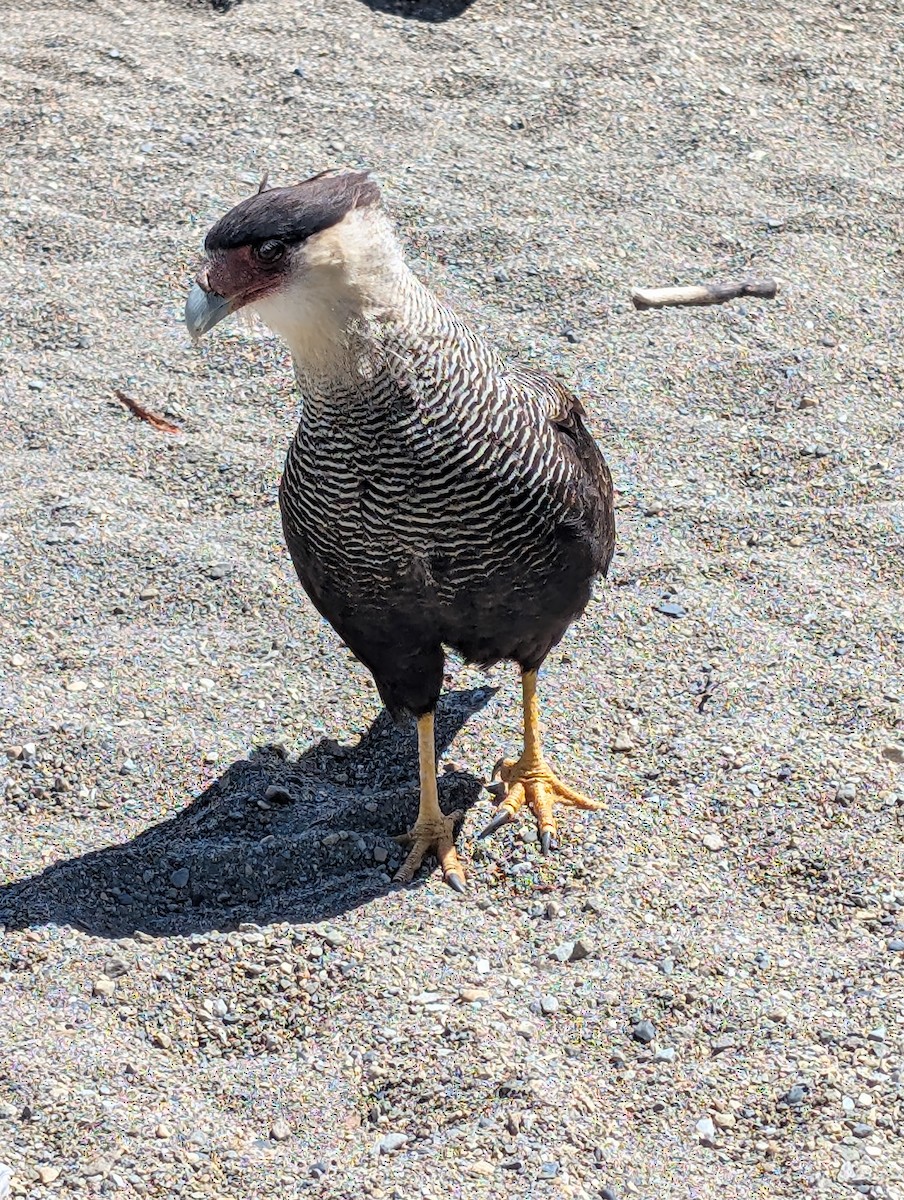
{"x": 270, "y": 252}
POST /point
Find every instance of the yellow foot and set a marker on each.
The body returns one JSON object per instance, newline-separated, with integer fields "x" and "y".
{"x": 534, "y": 783}
{"x": 432, "y": 835}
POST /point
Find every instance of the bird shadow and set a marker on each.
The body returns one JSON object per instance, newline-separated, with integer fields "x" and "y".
{"x": 434, "y": 11}
{"x": 272, "y": 839}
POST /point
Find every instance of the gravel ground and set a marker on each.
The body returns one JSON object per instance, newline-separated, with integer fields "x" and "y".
{"x": 209, "y": 987}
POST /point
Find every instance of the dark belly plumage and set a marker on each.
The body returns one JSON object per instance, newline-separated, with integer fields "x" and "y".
{"x": 409, "y": 533}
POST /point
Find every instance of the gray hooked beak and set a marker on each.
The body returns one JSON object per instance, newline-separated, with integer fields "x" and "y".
{"x": 203, "y": 310}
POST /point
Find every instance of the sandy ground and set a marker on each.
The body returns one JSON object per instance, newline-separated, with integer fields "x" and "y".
{"x": 208, "y": 993}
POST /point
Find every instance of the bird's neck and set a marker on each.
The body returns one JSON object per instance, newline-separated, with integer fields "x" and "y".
{"x": 353, "y": 299}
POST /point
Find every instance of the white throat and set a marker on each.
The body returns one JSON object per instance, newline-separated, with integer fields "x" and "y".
{"x": 347, "y": 281}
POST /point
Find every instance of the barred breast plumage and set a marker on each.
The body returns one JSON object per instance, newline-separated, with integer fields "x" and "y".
{"x": 440, "y": 497}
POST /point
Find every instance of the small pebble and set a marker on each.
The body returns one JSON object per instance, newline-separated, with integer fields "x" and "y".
{"x": 280, "y": 1131}
{"x": 643, "y": 1031}
{"x": 548, "y": 1005}
{"x": 49, "y": 1174}
{"x": 623, "y": 742}
{"x": 392, "y": 1141}
{"x": 163, "y": 1131}
{"x": 713, "y": 841}
{"x": 670, "y": 608}
{"x": 179, "y": 877}
{"x": 332, "y": 936}
{"x": 706, "y": 1131}
{"x": 549, "y": 1170}
{"x": 104, "y": 986}
{"x": 582, "y": 948}
{"x": 471, "y": 995}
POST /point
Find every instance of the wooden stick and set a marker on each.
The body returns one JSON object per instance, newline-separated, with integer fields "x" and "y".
{"x": 704, "y": 293}
{"x": 145, "y": 414}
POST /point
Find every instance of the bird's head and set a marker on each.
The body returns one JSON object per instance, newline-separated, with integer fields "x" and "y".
{"x": 297, "y": 256}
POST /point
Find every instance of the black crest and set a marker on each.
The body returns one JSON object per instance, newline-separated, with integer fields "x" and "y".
{"x": 291, "y": 214}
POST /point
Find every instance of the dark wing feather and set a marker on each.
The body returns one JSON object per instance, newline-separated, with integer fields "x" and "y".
{"x": 587, "y": 495}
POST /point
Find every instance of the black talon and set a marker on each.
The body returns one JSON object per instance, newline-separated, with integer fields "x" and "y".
{"x": 456, "y": 883}
{"x": 546, "y": 842}
{"x": 501, "y": 818}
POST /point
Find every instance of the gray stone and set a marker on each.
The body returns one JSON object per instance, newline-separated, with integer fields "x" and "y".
{"x": 392, "y": 1141}
{"x": 179, "y": 877}
{"x": 280, "y": 1131}
{"x": 706, "y": 1131}
{"x": 548, "y": 1005}
{"x": 862, "y": 1130}
{"x": 895, "y": 944}
{"x": 644, "y": 1031}
{"x": 670, "y": 609}
{"x": 332, "y": 936}
{"x": 581, "y": 949}
{"x": 549, "y": 1170}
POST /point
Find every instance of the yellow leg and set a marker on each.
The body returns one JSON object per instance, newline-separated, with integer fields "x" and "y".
{"x": 433, "y": 831}
{"x": 531, "y": 780}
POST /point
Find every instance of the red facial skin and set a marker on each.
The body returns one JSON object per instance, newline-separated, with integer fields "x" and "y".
{"x": 240, "y": 276}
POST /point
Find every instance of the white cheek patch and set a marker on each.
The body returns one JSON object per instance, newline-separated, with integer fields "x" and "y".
{"x": 340, "y": 279}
